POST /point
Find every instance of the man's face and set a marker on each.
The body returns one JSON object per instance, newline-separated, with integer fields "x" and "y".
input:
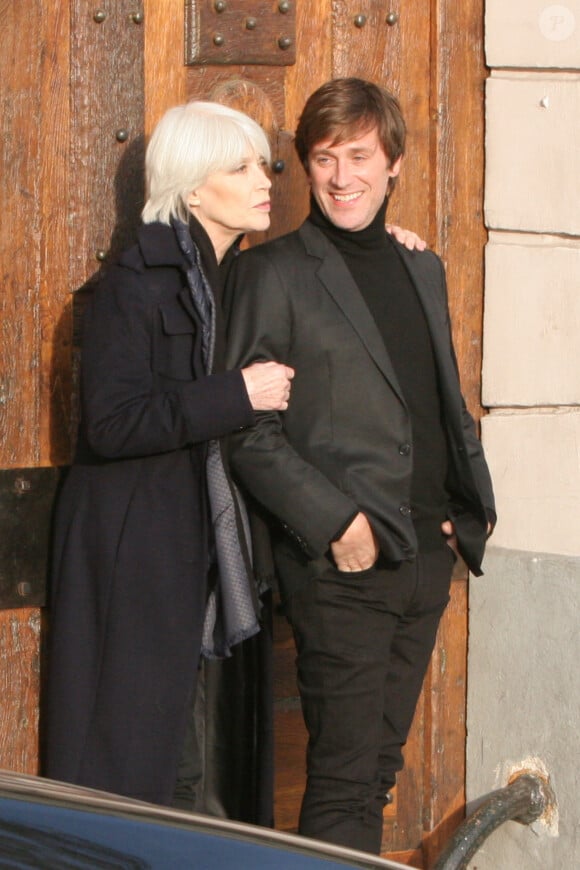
{"x": 350, "y": 181}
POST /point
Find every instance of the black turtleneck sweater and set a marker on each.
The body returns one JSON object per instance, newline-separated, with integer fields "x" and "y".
{"x": 390, "y": 295}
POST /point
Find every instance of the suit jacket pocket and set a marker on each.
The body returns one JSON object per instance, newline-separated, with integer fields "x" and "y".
{"x": 353, "y": 576}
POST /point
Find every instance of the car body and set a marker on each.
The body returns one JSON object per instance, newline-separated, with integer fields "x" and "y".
{"x": 48, "y": 824}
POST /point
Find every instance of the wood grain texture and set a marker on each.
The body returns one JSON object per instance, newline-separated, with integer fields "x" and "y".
{"x": 20, "y": 183}
{"x": 314, "y": 42}
{"x": 67, "y": 85}
{"x": 291, "y": 737}
{"x": 458, "y": 165}
{"x": 55, "y": 384}
{"x": 19, "y": 689}
{"x": 107, "y": 97}
{"x": 165, "y": 76}
{"x": 444, "y": 732}
{"x": 105, "y": 200}
{"x": 31, "y": 102}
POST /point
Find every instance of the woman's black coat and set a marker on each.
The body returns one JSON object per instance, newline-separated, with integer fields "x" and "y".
{"x": 131, "y": 530}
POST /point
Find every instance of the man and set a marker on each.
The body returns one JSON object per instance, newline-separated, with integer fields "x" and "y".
{"x": 374, "y": 477}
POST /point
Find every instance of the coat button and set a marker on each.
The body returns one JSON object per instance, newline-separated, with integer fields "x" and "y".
{"x": 405, "y": 510}
{"x": 404, "y": 449}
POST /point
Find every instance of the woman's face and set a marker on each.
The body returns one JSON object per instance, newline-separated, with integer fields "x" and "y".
{"x": 232, "y": 202}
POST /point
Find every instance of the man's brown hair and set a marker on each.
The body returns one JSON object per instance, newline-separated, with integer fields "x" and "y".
{"x": 346, "y": 108}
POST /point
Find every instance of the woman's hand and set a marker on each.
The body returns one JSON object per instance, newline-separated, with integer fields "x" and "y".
{"x": 268, "y": 385}
{"x": 406, "y": 237}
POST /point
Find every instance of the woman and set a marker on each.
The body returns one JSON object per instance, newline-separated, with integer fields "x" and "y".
{"x": 150, "y": 567}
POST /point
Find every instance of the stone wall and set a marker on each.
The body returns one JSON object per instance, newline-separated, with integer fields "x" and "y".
{"x": 524, "y": 641}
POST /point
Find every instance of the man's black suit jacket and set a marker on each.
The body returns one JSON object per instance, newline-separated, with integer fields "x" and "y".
{"x": 343, "y": 443}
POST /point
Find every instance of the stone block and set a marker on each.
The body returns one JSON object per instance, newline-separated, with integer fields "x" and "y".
{"x": 534, "y": 458}
{"x": 532, "y": 178}
{"x": 532, "y": 33}
{"x": 531, "y": 350}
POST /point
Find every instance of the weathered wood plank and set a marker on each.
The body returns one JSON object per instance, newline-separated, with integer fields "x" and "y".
{"x": 106, "y": 133}
{"x": 55, "y": 383}
{"x": 30, "y": 100}
{"x": 20, "y": 181}
{"x": 290, "y": 733}
{"x": 165, "y": 76}
{"x": 19, "y": 689}
{"x": 458, "y": 164}
{"x": 445, "y": 685}
{"x": 64, "y": 198}
{"x": 314, "y": 41}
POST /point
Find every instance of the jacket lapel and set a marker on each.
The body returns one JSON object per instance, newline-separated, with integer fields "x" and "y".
{"x": 428, "y": 279}
{"x": 338, "y": 282}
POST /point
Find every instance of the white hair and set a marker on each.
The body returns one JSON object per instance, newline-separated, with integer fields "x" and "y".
{"x": 189, "y": 143}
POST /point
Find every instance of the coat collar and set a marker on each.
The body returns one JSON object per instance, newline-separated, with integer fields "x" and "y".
{"x": 427, "y": 274}
{"x": 159, "y": 246}
{"x": 156, "y": 246}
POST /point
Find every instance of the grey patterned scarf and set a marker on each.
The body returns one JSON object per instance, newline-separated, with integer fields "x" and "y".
{"x": 230, "y": 615}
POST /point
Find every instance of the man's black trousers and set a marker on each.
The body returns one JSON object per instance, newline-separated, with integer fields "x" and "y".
{"x": 363, "y": 642}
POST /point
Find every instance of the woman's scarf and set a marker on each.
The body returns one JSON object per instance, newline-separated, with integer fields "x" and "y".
{"x": 230, "y": 615}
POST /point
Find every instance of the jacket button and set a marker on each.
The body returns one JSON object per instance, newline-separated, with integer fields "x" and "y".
{"x": 405, "y": 510}
{"x": 404, "y": 449}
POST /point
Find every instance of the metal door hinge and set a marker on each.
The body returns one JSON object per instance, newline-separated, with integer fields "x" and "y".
{"x": 26, "y": 503}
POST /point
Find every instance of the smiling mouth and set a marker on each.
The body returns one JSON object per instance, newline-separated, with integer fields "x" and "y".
{"x": 345, "y": 197}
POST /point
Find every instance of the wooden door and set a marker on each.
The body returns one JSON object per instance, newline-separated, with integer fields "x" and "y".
{"x": 80, "y": 83}
{"x": 71, "y": 87}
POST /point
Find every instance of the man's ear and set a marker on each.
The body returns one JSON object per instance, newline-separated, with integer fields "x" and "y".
{"x": 395, "y": 167}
